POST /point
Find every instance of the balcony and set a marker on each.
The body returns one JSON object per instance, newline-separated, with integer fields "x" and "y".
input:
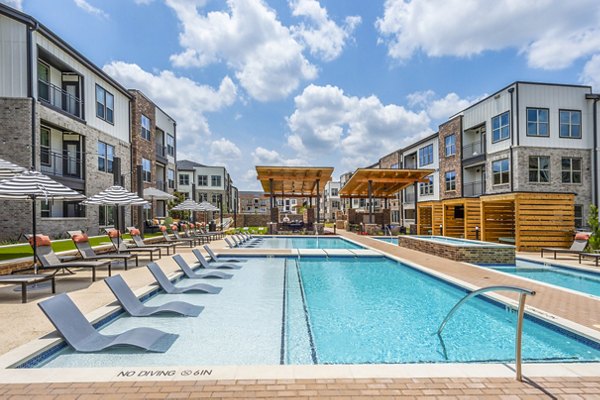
{"x": 474, "y": 149}
{"x": 161, "y": 153}
{"x": 67, "y": 168}
{"x": 160, "y": 185}
{"x": 60, "y": 99}
{"x": 409, "y": 198}
{"x": 473, "y": 189}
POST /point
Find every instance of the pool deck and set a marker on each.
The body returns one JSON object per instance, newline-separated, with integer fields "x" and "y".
{"x": 468, "y": 381}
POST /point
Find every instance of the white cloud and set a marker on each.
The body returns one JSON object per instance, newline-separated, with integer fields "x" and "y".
{"x": 550, "y": 33}
{"x": 250, "y": 39}
{"x": 87, "y": 7}
{"x": 224, "y": 150}
{"x": 591, "y": 73}
{"x": 440, "y": 108}
{"x": 143, "y": 2}
{"x": 323, "y": 36}
{"x": 17, "y": 4}
{"x": 262, "y": 156}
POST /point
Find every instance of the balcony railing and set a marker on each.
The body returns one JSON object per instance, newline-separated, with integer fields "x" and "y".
{"x": 59, "y": 98}
{"x": 475, "y": 188}
{"x": 161, "y": 185}
{"x": 473, "y": 149}
{"x": 409, "y": 198}
{"x": 61, "y": 164}
{"x": 161, "y": 150}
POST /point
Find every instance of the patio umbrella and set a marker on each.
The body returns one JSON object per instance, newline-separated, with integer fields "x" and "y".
{"x": 116, "y": 196}
{"x": 8, "y": 169}
{"x": 34, "y": 185}
{"x": 187, "y": 205}
{"x": 206, "y": 207}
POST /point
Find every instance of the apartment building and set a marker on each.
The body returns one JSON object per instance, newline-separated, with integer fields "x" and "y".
{"x": 63, "y": 116}
{"x": 153, "y": 142}
{"x": 330, "y": 201}
{"x": 206, "y": 183}
{"x": 253, "y": 202}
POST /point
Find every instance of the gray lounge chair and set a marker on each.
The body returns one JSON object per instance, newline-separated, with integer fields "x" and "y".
{"x": 168, "y": 287}
{"x": 121, "y": 247}
{"x": 231, "y": 245}
{"x": 187, "y": 270}
{"x": 27, "y": 279}
{"x": 213, "y": 256}
{"x": 191, "y": 241}
{"x": 139, "y": 242}
{"x": 136, "y": 308}
{"x": 82, "y": 336}
{"x": 168, "y": 239}
{"x": 204, "y": 263}
{"x": 577, "y": 247}
{"x": 87, "y": 252}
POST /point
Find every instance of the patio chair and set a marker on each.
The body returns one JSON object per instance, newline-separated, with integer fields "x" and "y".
{"x": 231, "y": 245}
{"x": 578, "y": 246}
{"x": 190, "y": 241}
{"x": 187, "y": 234}
{"x": 187, "y": 270}
{"x": 82, "y": 243}
{"x": 82, "y": 336}
{"x": 213, "y": 256}
{"x": 204, "y": 262}
{"x": 49, "y": 260}
{"x": 169, "y": 239}
{"x": 121, "y": 247}
{"x": 197, "y": 232}
{"x": 168, "y": 286}
{"x": 136, "y": 308}
{"x": 139, "y": 242}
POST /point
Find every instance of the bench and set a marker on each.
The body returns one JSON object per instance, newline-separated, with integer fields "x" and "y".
{"x": 589, "y": 255}
{"x": 26, "y": 280}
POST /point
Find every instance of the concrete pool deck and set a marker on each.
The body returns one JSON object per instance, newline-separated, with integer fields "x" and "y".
{"x": 27, "y": 323}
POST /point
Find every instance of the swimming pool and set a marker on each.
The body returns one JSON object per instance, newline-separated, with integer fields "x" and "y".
{"x": 570, "y": 278}
{"x": 305, "y": 243}
{"x": 335, "y": 310}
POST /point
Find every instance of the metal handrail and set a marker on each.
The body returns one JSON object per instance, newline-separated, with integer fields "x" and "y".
{"x": 522, "y": 295}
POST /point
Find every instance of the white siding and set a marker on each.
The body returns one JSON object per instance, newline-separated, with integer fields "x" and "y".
{"x": 167, "y": 125}
{"x": 13, "y": 58}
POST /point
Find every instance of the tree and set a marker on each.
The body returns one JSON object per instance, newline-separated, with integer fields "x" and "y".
{"x": 594, "y": 242}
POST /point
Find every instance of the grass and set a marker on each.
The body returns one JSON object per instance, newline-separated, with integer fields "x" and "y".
{"x": 25, "y": 250}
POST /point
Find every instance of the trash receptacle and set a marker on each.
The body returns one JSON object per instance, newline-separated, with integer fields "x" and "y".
{"x": 212, "y": 226}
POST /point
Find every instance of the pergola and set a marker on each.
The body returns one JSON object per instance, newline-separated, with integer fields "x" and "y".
{"x": 381, "y": 183}
{"x": 293, "y": 181}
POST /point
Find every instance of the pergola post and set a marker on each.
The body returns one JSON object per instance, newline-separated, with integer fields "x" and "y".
{"x": 318, "y": 203}
{"x": 271, "y": 197}
{"x": 385, "y": 207}
{"x": 370, "y": 201}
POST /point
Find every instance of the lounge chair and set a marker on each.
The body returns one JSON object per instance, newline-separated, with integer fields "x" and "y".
{"x": 49, "y": 259}
{"x": 231, "y": 245}
{"x": 166, "y": 285}
{"x": 121, "y": 247}
{"x": 204, "y": 262}
{"x": 139, "y": 242}
{"x": 136, "y": 308}
{"x": 27, "y": 279}
{"x": 191, "y": 241}
{"x": 213, "y": 256}
{"x": 169, "y": 239}
{"x": 82, "y": 336}
{"x": 187, "y": 234}
{"x": 197, "y": 232}
{"x": 82, "y": 244}
{"x": 578, "y": 246}
{"x": 187, "y": 270}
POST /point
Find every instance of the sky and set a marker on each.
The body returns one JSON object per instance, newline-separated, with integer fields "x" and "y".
{"x": 322, "y": 82}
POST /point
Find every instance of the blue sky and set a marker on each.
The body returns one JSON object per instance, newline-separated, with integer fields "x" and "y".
{"x": 322, "y": 82}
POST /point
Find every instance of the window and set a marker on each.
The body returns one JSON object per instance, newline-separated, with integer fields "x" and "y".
{"x": 106, "y": 155}
{"x": 426, "y": 188}
{"x": 500, "y": 171}
{"x": 539, "y": 169}
{"x": 45, "y": 209}
{"x": 578, "y": 216}
{"x": 215, "y": 180}
{"x": 146, "y": 170}
{"x": 184, "y": 179}
{"x": 202, "y": 180}
{"x": 409, "y": 213}
{"x": 537, "y": 122}
{"x": 43, "y": 81}
{"x": 334, "y": 192}
{"x": 450, "y": 145}
{"x": 105, "y": 104}
{"x": 570, "y": 124}
{"x": 426, "y": 155}
{"x": 45, "y": 146}
{"x": 215, "y": 198}
{"x": 145, "y": 123}
{"x": 450, "y": 180}
{"x": 170, "y": 145}
{"x": 571, "y": 170}
{"x": 171, "y": 178}
{"x": 500, "y": 127}
{"x": 105, "y": 216}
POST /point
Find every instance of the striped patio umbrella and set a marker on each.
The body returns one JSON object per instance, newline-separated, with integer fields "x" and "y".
{"x": 8, "y": 169}
{"x": 187, "y": 205}
{"x": 33, "y": 186}
{"x": 208, "y": 207}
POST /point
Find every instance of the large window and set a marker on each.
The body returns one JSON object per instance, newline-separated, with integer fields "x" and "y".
{"x": 570, "y": 124}
{"x": 426, "y": 155}
{"x": 184, "y": 179}
{"x": 146, "y": 170}
{"x": 202, "y": 180}
{"x": 145, "y": 123}
{"x": 500, "y": 127}
{"x": 450, "y": 180}
{"x": 106, "y": 156}
{"x": 501, "y": 171}
{"x": 578, "y": 216}
{"x": 45, "y": 145}
{"x": 571, "y": 170}
{"x": 450, "y": 145}
{"x": 215, "y": 199}
{"x": 539, "y": 169}
{"x": 537, "y": 122}
{"x": 215, "y": 180}
{"x": 105, "y": 214}
{"x": 170, "y": 145}
{"x": 43, "y": 81}
{"x": 334, "y": 192}
{"x": 171, "y": 178}
{"x": 426, "y": 188}
{"x": 105, "y": 104}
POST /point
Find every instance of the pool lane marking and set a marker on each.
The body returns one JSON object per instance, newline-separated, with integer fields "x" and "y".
{"x": 282, "y": 351}
{"x": 313, "y": 350}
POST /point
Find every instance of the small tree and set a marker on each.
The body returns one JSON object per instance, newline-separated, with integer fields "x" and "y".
{"x": 594, "y": 242}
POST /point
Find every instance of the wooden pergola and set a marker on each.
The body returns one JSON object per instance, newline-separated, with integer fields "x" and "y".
{"x": 430, "y": 216}
{"x": 383, "y": 183}
{"x": 461, "y": 217}
{"x": 293, "y": 181}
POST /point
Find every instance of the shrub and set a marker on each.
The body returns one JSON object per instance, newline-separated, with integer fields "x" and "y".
{"x": 594, "y": 242}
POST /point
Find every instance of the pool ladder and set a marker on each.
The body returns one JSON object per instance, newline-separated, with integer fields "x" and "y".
{"x": 522, "y": 295}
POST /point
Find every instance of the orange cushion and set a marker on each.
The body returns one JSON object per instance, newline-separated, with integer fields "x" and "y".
{"x": 173, "y": 227}
{"x": 582, "y": 236}
{"x": 192, "y": 226}
{"x": 40, "y": 240}
{"x": 80, "y": 238}
{"x": 114, "y": 233}
{"x": 134, "y": 232}
{"x": 163, "y": 228}
{"x": 155, "y": 221}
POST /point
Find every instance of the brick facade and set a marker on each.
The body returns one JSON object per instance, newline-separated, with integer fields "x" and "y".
{"x": 142, "y": 148}
{"x": 453, "y": 162}
{"x": 476, "y": 254}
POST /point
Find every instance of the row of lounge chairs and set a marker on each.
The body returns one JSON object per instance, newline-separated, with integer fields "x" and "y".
{"x": 242, "y": 240}
{"x": 80, "y": 334}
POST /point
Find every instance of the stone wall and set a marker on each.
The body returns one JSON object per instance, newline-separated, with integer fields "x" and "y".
{"x": 476, "y": 254}
{"x": 243, "y": 220}
{"x": 450, "y": 163}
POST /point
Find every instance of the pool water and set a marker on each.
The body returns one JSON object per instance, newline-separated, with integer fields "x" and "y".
{"x": 335, "y": 310}
{"x": 570, "y": 278}
{"x": 305, "y": 243}
{"x": 392, "y": 240}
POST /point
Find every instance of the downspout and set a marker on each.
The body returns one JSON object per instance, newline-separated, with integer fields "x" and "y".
{"x": 30, "y": 31}
{"x": 512, "y": 137}
{"x": 595, "y": 97}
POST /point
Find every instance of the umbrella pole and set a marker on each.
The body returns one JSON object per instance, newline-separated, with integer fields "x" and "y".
{"x": 118, "y": 231}
{"x": 35, "y": 271}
